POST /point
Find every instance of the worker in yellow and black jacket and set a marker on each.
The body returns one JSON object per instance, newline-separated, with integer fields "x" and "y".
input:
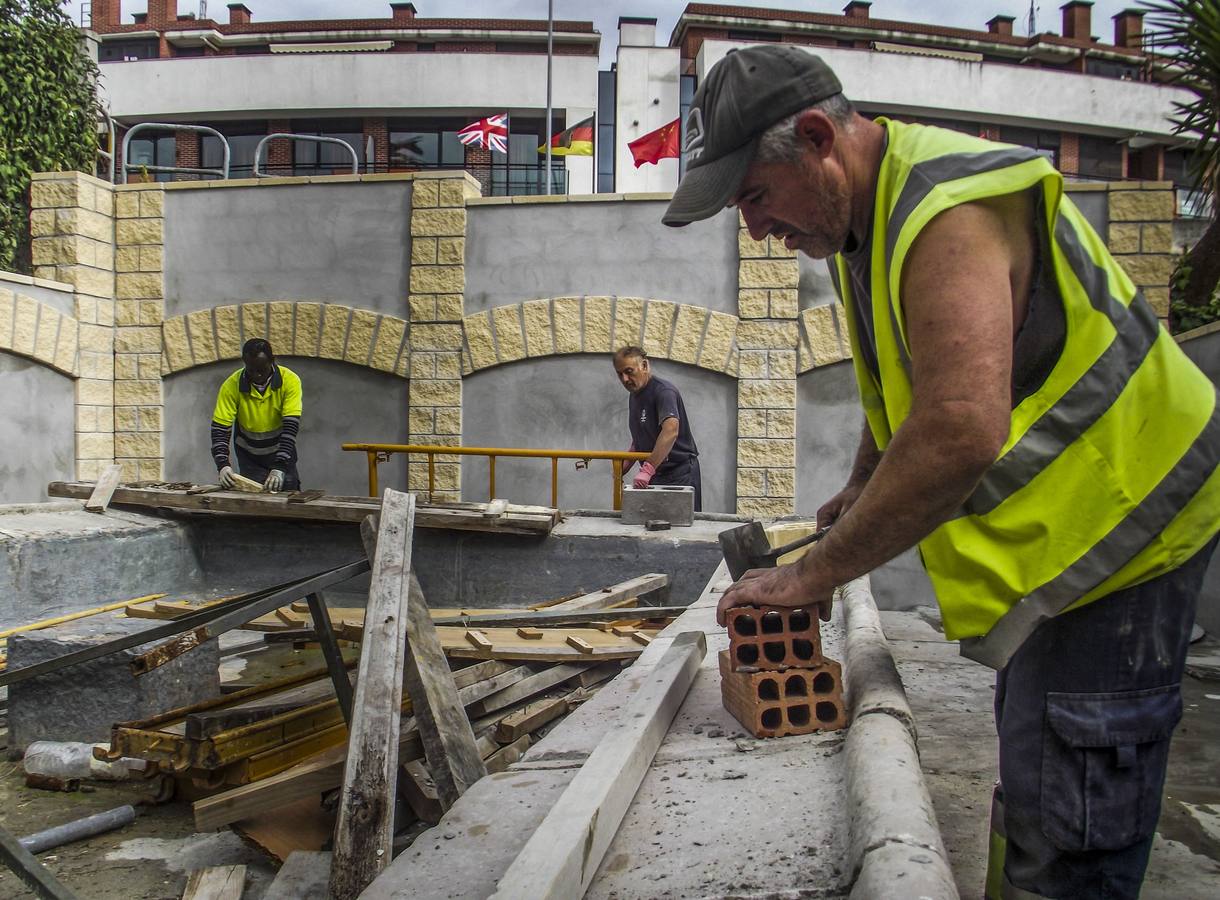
{"x": 259, "y": 407}
{"x": 1029, "y": 425}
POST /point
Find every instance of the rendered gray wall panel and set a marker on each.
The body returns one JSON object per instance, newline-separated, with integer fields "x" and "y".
{"x": 38, "y": 412}
{"x": 828, "y": 423}
{"x": 574, "y": 402}
{"x": 342, "y": 403}
{"x": 63, "y": 301}
{"x": 1205, "y": 351}
{"x": 524, "y": 252}
{"x": 815, "y": 287}
{"x": 348, "y": 243}
{"x": 1095, "y": 206}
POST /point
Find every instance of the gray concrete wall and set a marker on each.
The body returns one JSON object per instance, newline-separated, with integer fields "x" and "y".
{"x": 815, "y": 287}
{"x": 342, "y": 403}
{"x": 61, "y": 301}
{"x": 38, "y": 412}
{"x": 1205, "y": 351}
{"x": 348, "y": 243}
{"x": 1095, "y": 206}
{"x": 528, "y": 251}
{"x": 575, "y": 402}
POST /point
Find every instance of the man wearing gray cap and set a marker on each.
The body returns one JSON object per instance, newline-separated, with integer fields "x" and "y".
{"x": 1029, "y": 425}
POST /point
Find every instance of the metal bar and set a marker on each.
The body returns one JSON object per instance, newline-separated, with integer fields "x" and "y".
{"x": 315, "y": 138}
{"x": 228, "y": 620}
{"x": 331, "y": 652}
{"x": 293, "y": 589}
{"x": 550, "y": 54}
{"x": 555, "y": 482}
{"x": 431, "y": 474}
{"x": 372, "y": 473}
{"x": 77, "y": 830}
{"x": 525, "y": 452}
{"x": 491, "y": 479}
{"x": 223, "y": 172}
{"x": 617, "y": 467}
{"x": 59, "y": 620}
{"x": 30, "y": 870}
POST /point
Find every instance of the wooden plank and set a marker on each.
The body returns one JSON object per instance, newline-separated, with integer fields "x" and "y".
{"x": 303, "y": 876}
{"x": 537, "y": 714}
{"x": 419, "y": 791}
{"x": 530, "y": 634}
{"x": 564, "y": 852}
{"x": 365, "y": 830}
{"x": 247, "y": 485}
{"x": 457, "y": 516}
{"x": 99, "y": 499}
{"x": 216, "y": 883}
{"x": 506, "y": 756}
{"x": 282, "y": 831}
{"x": 478, "y": 640}
{"x": 615, "y": 593}
{"x": 495, "y": 509}
{"x": 528, "y": 687}
{"x": 579, "y": 643}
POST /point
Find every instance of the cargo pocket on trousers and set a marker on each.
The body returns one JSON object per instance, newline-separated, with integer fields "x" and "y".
{"x": 1103, "y": 766}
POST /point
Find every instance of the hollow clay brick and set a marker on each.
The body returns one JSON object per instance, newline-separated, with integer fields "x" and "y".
{"x": 774, "y": 638}
{"x": 795, "y": 701}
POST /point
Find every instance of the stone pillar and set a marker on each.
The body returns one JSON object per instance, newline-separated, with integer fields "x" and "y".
{"x": 139, "y": 311}
{"x": 1141, "y": 236}
{"x": 72, "y": 230}
{"x": 434, "y": 336}
{"x": 766, "y": 387}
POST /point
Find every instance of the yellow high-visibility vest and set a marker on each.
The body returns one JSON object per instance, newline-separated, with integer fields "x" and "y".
{"x": 1109, "y": 475}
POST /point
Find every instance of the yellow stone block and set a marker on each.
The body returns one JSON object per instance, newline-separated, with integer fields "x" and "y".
{"x": 253, "y": 320}
{"x": 438, "y": 223}
{"x": 388, "y": 344}
{"x": 781, "y": 423}
{"x": 1158, "y": 299}
{"x": 103, "y": 201}
{"x": 360, "y": 337}
{"x": 228, "y": 332}
{"x": 421, "y": 365}
{"x": 130, "y": 470}
{"x": 280, "y": 327}
{"x": 748, "y": 248}
{"x": 597, "y": 315}
{"x": 438, "y": 279}
{"x": 658, "y": 327}
{"x": 688, "y": 332}
{"x": 95, "y": 446}
{"x": 822, "y": 335}
{"x": 451, "y": 251}
{"x": 628, "y": 322}
{"x": 435, "y": 337}
{"x": 42, "y": 223}
{"x": 6, "y": 318}
{"x": 334, "y": 331}
{"x": 141, "y": 339}
{"x": 137, "y": 393}
{"x": 65, "y": 346}
{"x": 25, "y": 325}
{"x": 152, "y": 203}
{"x": 150, "y": 418}
{"x": 203, "y": 337}
{"x": 454, "y": 191}
{"x": 765, "y": 452}
{"x": 568, "y": 336}
{"x": 767, "y": 273}
{"x": 127, "y": 259}
{"x": 752, "y": 364}
{"x": 753, "y": 304}
{"x": 148, "y": 366}
{"x": 138, "y": 231}
{"x": 151, "y": 311}
{"x": 718, "y": 341}
{"x": 766, "y": 394}
{"x": 88, "y": 280}
{"x": 421, "y": 420}
{"x": 756, "y": 335}
{"x": 308, "y": 329}
{"x": 539, "y": 337}
{"x": 422, "y": 308}
{"x": 785, "y": 304}
{"x": 439, "y": 392}
{"x": 423, "y": 251}
{"x": 449, "y": 308}
{"x": 95, "y": 391}
{"x": 127, "y": 205}
{"x": 425, "y": 194}
{"x": 765, "y": 507}
{"x": 1142, "y": 206}
{"x": 96, "y": 338}
{"x": 151, "y": 469}
{"x": 174, "y": 340}
{"x": 151, "y": 258}
{"x": 134, "y": 285}
{"x": 509, "y": 338}
{"x": 48, "y": 334}
{"x": 781, "y": 363}
{"x": 781, "y": 482}
{"x": 86, "y": 418}
{"x": 50, "y": 194}
{"x": 449, "y": 365}
{"x": 777, "y": 250}
{"x": 449, "y": 421}
{"x": 1147, "y": 269}
{"x": 138, "y": 446}
{"x": 480, "y": 340}
{"x": 127, "y": 365}
{"x": 1157, "y": 238}
{"x": 751, "y": 482}
{"x": 751, "y": 423}
{"x": 1124, "y": 237}
{"x": 94, "y": 225}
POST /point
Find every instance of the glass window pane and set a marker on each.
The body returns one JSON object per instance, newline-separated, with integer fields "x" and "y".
{"x": 452, "y": 151}
{"x": 414, "y": 148}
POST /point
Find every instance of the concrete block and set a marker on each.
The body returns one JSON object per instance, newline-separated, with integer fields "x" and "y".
{"x": 423, "y": 251}
{"x": 718, "y": 341}
{"x": 539, "y": 336}
{"x": 451, "y": 251}
{"x": 334, "y": 331}
{"x": 774, "y": 704}
{"x": 767, "y": 273}
{"x": 659, "y": 327}
{"x": 479, "y": 339}
{"x": 308, "y": 329}
{"x": 1124, "y": 237}
{"x": 509, "y": 337}
{"x": 449, "y": 365}
{"x": 673, "y": 503}
{"x": 360, "y": 337}
{"x": 449, "y": 308}
{"x": 688, "y": 333}
{"x": 228, "y": 333}
{"x": 628, "y": 321}
{"x": 568, "y": 337}
{"x": 597, "y": 325}
{"x": 82, "y": 702}
{"x": 774, "y": 638}
{"x": 388, "y": 344}
{"x": 280, "y": 326}
{"x": 752, "y": 303}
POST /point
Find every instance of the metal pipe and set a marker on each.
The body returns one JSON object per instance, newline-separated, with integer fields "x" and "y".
{"x": 431, "y": 474}
{"x": 550, "y": 52}
{"x": 315, "y": 138}
{"x": 79, "y": 829}
{"x": 223, "y": 171}
{"x": 528, "y": 452}
{"x": 372, "y": 473}
{"x": 555, "y": 482}
{"x": 617, "y": 467}
{"x": 491, "y": 477}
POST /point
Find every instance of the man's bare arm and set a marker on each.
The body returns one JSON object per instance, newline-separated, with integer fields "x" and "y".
{"x": 665, "y": 442}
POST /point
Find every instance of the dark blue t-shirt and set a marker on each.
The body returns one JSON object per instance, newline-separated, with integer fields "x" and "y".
{"x": 648, "y": 409}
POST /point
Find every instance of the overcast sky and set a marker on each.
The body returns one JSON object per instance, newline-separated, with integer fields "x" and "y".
{"x": 605, "y": 13}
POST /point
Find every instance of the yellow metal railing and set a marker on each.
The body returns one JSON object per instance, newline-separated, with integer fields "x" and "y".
{"x": 379, "y": 453}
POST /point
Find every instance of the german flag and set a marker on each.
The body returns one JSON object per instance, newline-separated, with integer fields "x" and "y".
{"x": 574, "y": 141}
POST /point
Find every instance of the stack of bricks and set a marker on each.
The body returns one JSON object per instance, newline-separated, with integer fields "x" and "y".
{"x": 767, "y": 335}
{"x": 434, "y": 339}
{"x": 1141, "y": 236}
{"x": 774, "y": 679}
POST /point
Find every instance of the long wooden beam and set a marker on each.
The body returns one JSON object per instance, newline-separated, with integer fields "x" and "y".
{"x": 615, "y": 593}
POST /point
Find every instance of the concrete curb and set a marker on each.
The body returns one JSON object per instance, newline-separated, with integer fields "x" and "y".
{"x": 895, "y": 848}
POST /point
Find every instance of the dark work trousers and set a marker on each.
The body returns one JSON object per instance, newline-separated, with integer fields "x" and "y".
{"x": 1085, "y": 709}
{"x": 257, "y": 468}
{"x": 686, "y": 473}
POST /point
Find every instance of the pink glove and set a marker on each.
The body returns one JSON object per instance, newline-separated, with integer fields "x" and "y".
{"x": 647, "y": 470}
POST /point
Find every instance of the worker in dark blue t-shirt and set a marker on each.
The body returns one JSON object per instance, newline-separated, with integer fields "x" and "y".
{"x": 659, "y": 426}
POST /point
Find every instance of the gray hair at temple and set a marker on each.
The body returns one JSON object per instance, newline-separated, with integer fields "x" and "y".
{"x": 780, "y": 143}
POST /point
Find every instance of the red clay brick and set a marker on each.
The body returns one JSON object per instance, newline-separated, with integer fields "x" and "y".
{"x": 774, "y": 638}
{"x": 774, "y": 704}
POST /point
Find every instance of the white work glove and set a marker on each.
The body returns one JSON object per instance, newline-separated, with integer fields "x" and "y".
{"x": 275, "y": 481}
{"x": 226, "y": 478}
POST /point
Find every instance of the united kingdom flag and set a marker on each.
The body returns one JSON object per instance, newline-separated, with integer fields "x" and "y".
{"x": 491, "y": 132}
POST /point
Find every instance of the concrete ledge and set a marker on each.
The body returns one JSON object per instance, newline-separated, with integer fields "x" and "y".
{"x": 874, "y": 683}
{"x": 1201, "y": 331}
{"x": 14, "y": 278}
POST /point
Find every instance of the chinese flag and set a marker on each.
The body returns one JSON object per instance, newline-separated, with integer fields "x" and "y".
{"x": 656, "y": 145}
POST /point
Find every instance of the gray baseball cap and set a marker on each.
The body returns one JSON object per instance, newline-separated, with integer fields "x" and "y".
{"x": 742, "y": 96}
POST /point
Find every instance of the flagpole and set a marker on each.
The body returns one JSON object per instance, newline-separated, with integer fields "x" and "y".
{"x": 550, "y": 25}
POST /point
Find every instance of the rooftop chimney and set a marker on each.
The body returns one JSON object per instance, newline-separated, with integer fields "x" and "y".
{"x": 105, "y": 13}
{"x": 402, "y": 12}
{"x": 239, "y": 14}
{"x": 140, "y": 18}
{"x": 162, "y": 13}
{"x": 1000, "y": 25}
{"x": 637, "y": 32}
{"x": 1129, "y": 28}
{"x": 1077, "y": 19}
{"x": 856, "y": 9}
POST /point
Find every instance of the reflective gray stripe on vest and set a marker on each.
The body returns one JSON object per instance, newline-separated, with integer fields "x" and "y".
{"x": 256, "y": 449}
{"x": 1084, "y": 402}
{"x": 1111, "y": 553}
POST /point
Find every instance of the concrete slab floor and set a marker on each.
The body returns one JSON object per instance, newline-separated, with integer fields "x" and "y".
{"x": 952, "y": 701}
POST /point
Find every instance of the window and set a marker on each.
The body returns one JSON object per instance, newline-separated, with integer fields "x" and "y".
{"x": 252, "y": 49}
{"x": 606, "y": 99}
{"x": 425, "y": 147}
{"x": 1045, "y": 142}
{"x": 126, "y": 51}
{"x": 188, "y": 51}
{"x": 243, "y": 138}
{"x": 523, "y": 171}
{"x": 1108, "y": 69}
{"x": 151, "y": 148}
{"x": 1100, "y": 158}
{"x": 315, "y": 158}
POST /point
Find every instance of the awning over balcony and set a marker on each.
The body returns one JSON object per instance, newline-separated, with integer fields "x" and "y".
{"x": 911, "y": 50}
{"x": 337, "y": 47}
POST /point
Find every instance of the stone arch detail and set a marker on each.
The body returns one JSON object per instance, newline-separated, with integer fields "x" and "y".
{"x": 294, "y": 328}
{"x": 823, "y": 337}
{"x": 33, "y": 329}
{"x": 563, "y": 325}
